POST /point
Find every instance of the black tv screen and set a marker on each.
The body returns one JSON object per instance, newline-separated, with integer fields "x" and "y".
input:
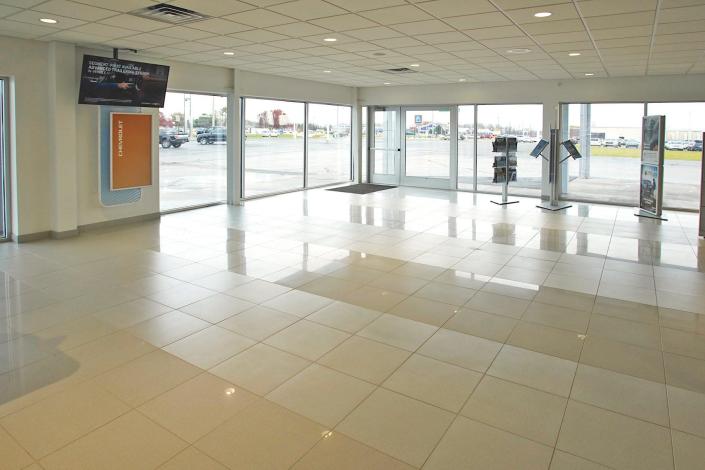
{"x": 114, "y": 82}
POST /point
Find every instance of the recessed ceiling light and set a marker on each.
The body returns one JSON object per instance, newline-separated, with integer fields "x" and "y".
{"x": 48, "y": 20}
{"x": 589, "y": 74}
{"x": 518, "y": 51}
{"x": 414, "y": 65}
{"x": 574, "y": 54}
{"x": 229, "y": 53}
{"x": 463, "y": 80}
{"x": 326, "y": 71}
{"x": 330, "y": 39}
{"x": 387, "y": 83}
{"x": 543, "y": 14}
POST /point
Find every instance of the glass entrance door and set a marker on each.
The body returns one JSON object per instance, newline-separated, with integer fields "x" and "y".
{"x": 429, "y": 147}
{"x": 385, "y": 147}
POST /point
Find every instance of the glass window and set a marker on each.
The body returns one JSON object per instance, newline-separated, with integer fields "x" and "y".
{"x": 3, "y": 162}
{"x": 273, "y": 152}
{"x": 466, "y": 147}
{"x": 608, "y": 136}
{"x": 685, "y": 123}
{"x": 428, "y": 143}
{"x": 192, "y": 150}
{"x": 523, "y": 121}
{"x": 329, "y": 144}
{"x": 365, "y": 145}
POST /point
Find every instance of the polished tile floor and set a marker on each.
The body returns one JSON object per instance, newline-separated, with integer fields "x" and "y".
{"x": 320, "y": 330}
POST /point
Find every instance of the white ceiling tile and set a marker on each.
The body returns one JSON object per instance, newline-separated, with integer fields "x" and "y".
{"x": 291, "y": 44}
{"x": 611, "y": 7}
{"x": 151, "y": 39}
{"x": 565, "y": 11}
{"x": 21, "y": 3}
{"x": 447, "y": 8}
{"x": 183, "y": 33}
{"x": 625, "y": 32}
{"x": 393, "y": 43}
{"x": 258, "y": 35}
{"x": 672, "y": 15}
{"x": 74, "y": 10}
{"x": 619, "y": 21}
{"x": 361, "y": 5}
{"x": 307, "y": 9}
{"x": 493, "y": 33}
{"x": 547, "y": 27}
{"x": 442, "y": 38}
{"x": 299, "y": 29}
{"x": 214, "y": 7}
{"x": 344, "y": 22}
{"x": 555, "y": 38}
{"x": 223, "y": 41}
{"x": 681, "y": 27}
{"x": 422, "y": 27}
{"x": 102, "y": 30}
{"x": 260, "y": 18}
{"x": 370, "y": 34}
{"x": 396, "y": 15}
{"x": 258, "y": 48}
{"x": 134, "y": 23}
{"x": 483, "y": 20}
{"x": 122, "y": 5}
{"x": 219, "y": 26}
{"x": 33, "y": 17}
{"x": 8, "y": 10}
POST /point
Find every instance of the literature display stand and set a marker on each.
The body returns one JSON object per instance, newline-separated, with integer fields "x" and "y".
{"x": 653, "y": 138}
{"x": 555, "y": 161}
{"x": 505, "y": 166}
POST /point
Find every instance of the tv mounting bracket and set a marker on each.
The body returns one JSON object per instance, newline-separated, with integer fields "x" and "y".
{"x": 116, "y": 51}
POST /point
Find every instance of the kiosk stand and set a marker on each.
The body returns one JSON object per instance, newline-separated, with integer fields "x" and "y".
{"x": 505, "y": 166}
{"x": 554, "y": 164}
{"x": 653, "y": 139}
{"x": 702, "y": 192}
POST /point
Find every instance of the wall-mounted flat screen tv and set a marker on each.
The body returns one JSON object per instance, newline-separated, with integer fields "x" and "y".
{"x": 114, "y": 82}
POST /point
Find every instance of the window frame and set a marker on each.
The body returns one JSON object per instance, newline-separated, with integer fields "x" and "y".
{"x": 306, "y": 186}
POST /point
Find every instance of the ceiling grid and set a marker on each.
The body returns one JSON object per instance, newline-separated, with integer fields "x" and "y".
{"x": 442, "y": 41}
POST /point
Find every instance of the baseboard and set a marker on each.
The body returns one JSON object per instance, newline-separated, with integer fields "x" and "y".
{"x": 33, "y": 237}
{"x": 116, "y": 222}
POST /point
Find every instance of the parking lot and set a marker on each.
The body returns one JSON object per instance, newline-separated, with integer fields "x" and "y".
{"x": 196, "y": 174}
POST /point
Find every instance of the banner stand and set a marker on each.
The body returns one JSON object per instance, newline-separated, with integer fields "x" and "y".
{"x": 702, "y": 190}
{"x": 554, "y": 163}
{"x": 653, "y": 138}
{"x": 508, "y": 153}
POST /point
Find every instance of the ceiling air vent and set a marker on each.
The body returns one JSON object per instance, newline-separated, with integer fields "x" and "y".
{"x": 399, "y": 70}
{"x": 169, "y": 14}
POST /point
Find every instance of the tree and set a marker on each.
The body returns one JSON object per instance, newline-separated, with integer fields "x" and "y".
{"x": 204, "y": 120}
{"x": 165, "y": 121}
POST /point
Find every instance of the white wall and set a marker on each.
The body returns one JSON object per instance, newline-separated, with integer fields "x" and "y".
{"x": 25, "y": 63}
{"x": 55, "y": 141}
{"x": 549, "y": 93}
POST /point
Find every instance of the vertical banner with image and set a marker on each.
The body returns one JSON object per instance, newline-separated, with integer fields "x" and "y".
{"x": 652, "y": 155}
{"x": 130, "y": 150}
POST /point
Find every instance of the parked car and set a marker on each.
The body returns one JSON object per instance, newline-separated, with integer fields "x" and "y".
{"x": 631, "y": 144}
{"x": 172, "y": 138}
{"x": 610, "y": 143}
{"x": 676, "y": 145}
{"x": 595, "y": 142}
{"x": 696, "y": 146}
{"x": 215, "y": 134}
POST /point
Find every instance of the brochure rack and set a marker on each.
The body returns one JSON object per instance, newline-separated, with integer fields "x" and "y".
{"x": 505, "y": 166}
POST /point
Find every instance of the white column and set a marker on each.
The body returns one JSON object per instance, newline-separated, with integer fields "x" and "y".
{"x": 62, "y": 99}
{"x": 235, "y": 139}
{"x": 550, "y": 121}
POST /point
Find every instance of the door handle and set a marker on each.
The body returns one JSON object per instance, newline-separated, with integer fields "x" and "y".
{"x": 398, "y": 150}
